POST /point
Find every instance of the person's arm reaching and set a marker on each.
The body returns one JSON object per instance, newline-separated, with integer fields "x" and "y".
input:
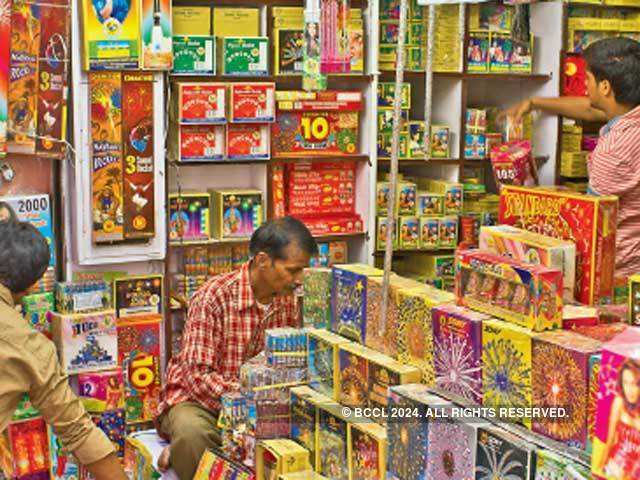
{"x": 578, "y": 108}
{"x": 108, "y": 468}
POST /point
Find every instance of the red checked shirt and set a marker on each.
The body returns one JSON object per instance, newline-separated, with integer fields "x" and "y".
{"x": 614, "y": 169}
{"x": 224, "y": 329}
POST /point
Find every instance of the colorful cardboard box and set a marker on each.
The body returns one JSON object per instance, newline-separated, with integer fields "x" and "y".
{"x": 252, "y": 102}
{"x": 63, "y": 466}
{"x": 524, "y": 294}
{"x": 634, "y": 300}
{"x": 367, "y": 451}
{"x": 532, "y": 248}
{"x": 194, "y": 54}
{"x": 198, "y": 143}
{"x": 430, "y": 204}
{"x": 381, "y": 237}
{"x": 349, "y": 300}
{"x": 429, "y": 233}
{"x": 589, "y": 221}
{"x": 24, "y": 450}
{"x": 156, "y": 23}
{"x": 248, "y": 142}
{"x": 245, "y": 56}
{"x": 332, "y": 459}
{"x": 275, "y": 457}
{"x": 305, "y": 407}
{"x": 201, "y": 103}
{"x": 409, "y": 233}
{"x": 565, "y": 385}
{"x": 112, "y": 423}
{"x": 497, "y": 449}
{"x": 457, "y": 337}
{"x": 386, "y": 94}
{"x": 323, "y": 362}
{"x": 35, "y": 308}
{"x": 191, "y": 20}
{"x": 86, "y": 342}
{"x": 448, "y": 232}
{"x": 138, "y": 295}
{"x": 316, "y": 307}
{"x": 236, "y": 213}
{"x": 229, "y": 22}
{"x": 189, "y": 216}
{"x": 101, "y": 391}
{"x": 595, "y": 362}
{"x": 452, "y": 449}
{"x": 354, "y": 373}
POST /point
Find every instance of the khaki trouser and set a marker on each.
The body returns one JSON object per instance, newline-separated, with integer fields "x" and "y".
{"x": 192, "y": 429}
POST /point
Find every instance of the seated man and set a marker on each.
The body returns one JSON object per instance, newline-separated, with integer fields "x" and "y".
{"x": 30, "y": 361}
{"x": 227, "y": 320}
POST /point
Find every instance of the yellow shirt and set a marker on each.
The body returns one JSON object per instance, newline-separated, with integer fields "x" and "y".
{"x": 29, "y": 364}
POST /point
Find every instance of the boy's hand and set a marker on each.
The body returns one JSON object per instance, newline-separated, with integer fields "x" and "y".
{"x": 517, "y": 111}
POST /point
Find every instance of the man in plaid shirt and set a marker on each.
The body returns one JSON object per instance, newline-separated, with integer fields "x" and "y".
{"x": 227, "y": 320}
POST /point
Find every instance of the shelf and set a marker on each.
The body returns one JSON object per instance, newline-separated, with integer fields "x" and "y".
{"x": 542, "y": 77}
{"x": 433, "y": 251}
{"x": 339, "y": 236}
{"x": 575, "y": 3}
{"x": 218, "y": 162}
{"x": 320, "y": 158}
{"x": 251, "y": 3}
{"x": 419, "y": 162}
{"x": 188, "y": 77}
{"x": 202, "y": 243}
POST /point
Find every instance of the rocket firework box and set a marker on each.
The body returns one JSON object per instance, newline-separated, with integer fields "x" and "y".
{"x": 589, "y": 221}
{"x": 38, "y": 67}
{"x": 317, "y": 123}
{"x": 156, "y": 34}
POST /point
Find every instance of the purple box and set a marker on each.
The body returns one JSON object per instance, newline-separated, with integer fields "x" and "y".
{"x": 457, "y": 336}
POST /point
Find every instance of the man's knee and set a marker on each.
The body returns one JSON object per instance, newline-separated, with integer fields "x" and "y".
{"x": 193, "y": 435}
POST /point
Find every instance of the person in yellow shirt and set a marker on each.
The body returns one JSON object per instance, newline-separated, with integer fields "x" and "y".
{"x": 30, "y": 362}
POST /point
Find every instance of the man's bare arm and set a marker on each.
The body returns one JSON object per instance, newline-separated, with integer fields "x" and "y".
{"x": 578, "y": 108}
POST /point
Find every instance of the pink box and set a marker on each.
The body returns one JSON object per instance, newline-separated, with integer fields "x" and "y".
{"x": 101, "y": 391}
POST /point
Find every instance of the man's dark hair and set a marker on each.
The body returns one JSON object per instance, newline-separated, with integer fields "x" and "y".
{"x": 24, "y": 255}
{"x": 274, "y": 236}
{"x": 7, "y": 207}
{"x": 618, "y": 61}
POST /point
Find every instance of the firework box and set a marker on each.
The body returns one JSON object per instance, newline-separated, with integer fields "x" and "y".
{"x": 316, "y": 308}
{"x": 317, "y": 123}
{"x": 112, "y": 424}
{"x": 189, "y": 216}
{"x": 502, "y": 454}
{"x": 319, "y": 226}
{"x": 288, "y": 34}
{"x": 452, "y": 192}
{"x": 603, "y": 332}
{"x": 106, "y": 156}
{"x": 83, "y": 297}
{"x": 417, "y": 140}
{"x": 194, "y": 54}
{"x": 349, "y": 300}
{"x": 367, "y": 449}
{"x": 595, "y": 361}
{"x": 353, "y": 374}
{"x": 406, "y": 198}
{"x": 527, "y": 295}
{"x": 245, "y": 56}
{"x": 86, "y": 342}
{"x": 429, "y": 203}
{"x": 197, "y": 143}
{"x": 252, "y": 102}
{"x": 304, "y": 417}
{"x": 414, "y": 331}
{"x": 36, "y": 210}
{"x": 323, "y": 362}
{"x": 138, "y": 295}
{"x": 615, "y": 439}
{"x": 385, "y": 121}
{"x": 35, "y": 308}
{"x": 384, "y": 145}
{"x": 63, "y": 466}
{"x": 534, "y": 248}
{"x": 386, "y": 94}
{"x": 332, "y": 446}
{"x": 228, "y": 22}
{"x": 589, "y": 221}
{"x": 578, "y": 315}
{"x": 381, "y": 237}
{"x": 478, "y": 52}
{"x": 236, "y": 213}
{"x": 566, "y": 385}
{"x": 156, "y": 33}
{"x": 248, "y": 142}
{"x": 24, "y": 450}
{"x": 25, "y": 409}
{"x": 101, "y": 391}
{"x": 506, "y": 366}
{"x": 634, "y": 300}
{"x": 550, "y": 465}
{"x": 308, "y": 475}
{"x": 139, "y": 355}
{"x": 201, "y": 103}
{"x": 111, "y": 43}
{"x": 457, "y": 337}
{"x": 448, "y": 232}
{"x": 191, "y": 20}
{"x": 452, "y": 448}
{"x": 409, "y": 233}
{"x": 138, "y": 153}
{"x": 275, "y": 457}
{"x": 432, "y": 266}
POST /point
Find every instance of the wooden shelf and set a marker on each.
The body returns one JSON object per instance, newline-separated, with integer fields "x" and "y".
{"x": 187, "y": 77}
{"x": 320, "y": 158}
{"x": 202, "y": 243}
{"x": 418, "y": 162}
{"x": 251, "y": 3}
{"x": 434, "y": 251}
{"x": 542, "y": 77}
{"x": 218, "y": 162}
{"x": 588, "y": 4}
{"x": 339, "y": 236}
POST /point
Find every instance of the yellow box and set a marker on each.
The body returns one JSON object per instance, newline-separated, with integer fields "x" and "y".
{"x": 367, "y": 450}
{"x": 308, "y": 475}
{"x": 236, "y": 213}
{"x": 188, "y": 21}
{"x": 236, "y": 22}
{"x": 323, "y": 361}
{"x": 275, "y": 457}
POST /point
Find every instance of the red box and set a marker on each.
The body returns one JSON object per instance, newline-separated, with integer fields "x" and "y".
{"x": 24, "y": 450}
{"x": 334, "y": 225}
{"x": 574, "y": 316}
{"x": 248, "y": 142}
{"x": 317, "y": 123}
{"x": 252, "y": 102}
{"x": 201, "y": 143}
{"x": 589, "y": 221}
{"x": 202, "y": 103}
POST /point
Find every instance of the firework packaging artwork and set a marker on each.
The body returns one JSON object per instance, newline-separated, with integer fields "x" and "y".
{"x": 448, "y": 232}
{"x": 478, "y": 52}
{"x": 304, "y": 417}
{"x": 566, "y": 385}
{"x": 532, "y": 248}
{"x": 102, "y": 391}
{"x": 139, "y": 295}
{"x": 385, "y": 121}
{"x": 197, "y": 143}
{"x": 194, "y": 55}
{"x": 414, "y": 331}
{"x": 38, "y": 67}
{"x": 189, "y": 216}
{"x": 457, "y": 335}
{"x": 406, "y": 198}
{"x": 503, "y": 455}
{"x": 430, "y": 204}
{"x": 595, "y": 361}
{"x": 506, "y": 366}
{"x": 35, "y": 308}
{"x": 63, "y": 465}
{"x": 634, "y": 300}
{"x": 138, "y": 153}
{"x": 452, "y": 449}
{"x": 417, "y": 138}
{"x": 316, "y": 308}
{"x": 24, "y": 450}
{"x": 367, "y": 451}
{"x": 113, "y": 425}
{"x": 201, "y": 103}
{"x": 245, "y": 56}
{"x": 409, "y": 233}
{"x": 274, "y": 457}
{"x": 323, "y": 362}
{"x": 579, "y": 316}
{"x": 349, "y": 300}
{"x": 248, "y": 142}
{"x": 236, "y": 213}
{"x": 82, "y": 297}
{"x": 332, "y": 450}
{"x": 588, "y": 221}
{"x": 288, "y": 34}
{"x": 550, "y": 465}
{"x": 320, "y": 123}
{"x": 5, "y": 50}
{"x": 386, "y": 92}
{"x": 139, "y": 355}
{"x": 381, "y": 238}
{"x": 156, "y": 35}
{"x": 617, "y": 437}
{"x": 111, "y": 35}
{"x": 252, "y": 102}
{"x": 353, "y": 372}
{"x": 86, "y": 342}
{"x": 524, "y": 294}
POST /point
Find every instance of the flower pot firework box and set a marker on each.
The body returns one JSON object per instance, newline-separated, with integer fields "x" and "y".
{"x": 500, "y": 454}
{"x": 201, "y": 103}
{"x": 560, "y": 378}
{"x": 534, "y": 248}
{"x": 236, "y": 213}
{"x": 189, "y": 216}
{"x": 317, "y": 123}
{"x": 367, "y": 447}
{"x": 323, "y": 362}
{"x": 349, "y": 300}
{"x": 527, "y": 295}
{"x": 589, "y": 221}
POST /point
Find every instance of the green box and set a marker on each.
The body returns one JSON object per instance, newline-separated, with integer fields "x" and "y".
{"x": 245, "y": 56}
{"x": 194, "y": 55}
